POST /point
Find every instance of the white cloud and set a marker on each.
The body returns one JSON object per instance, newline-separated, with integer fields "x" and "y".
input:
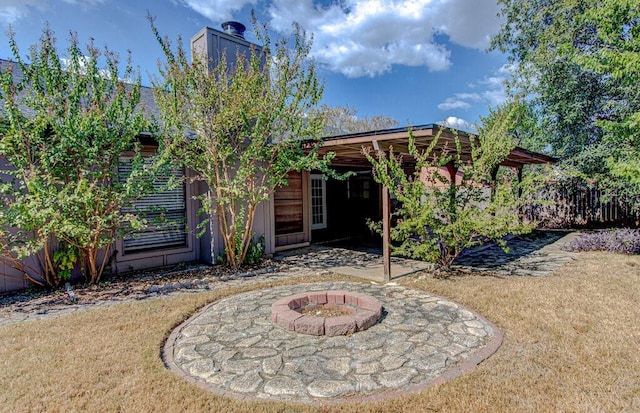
{"x": 453, "y": 103}
{"x": 469, "y": 96}
{"x": 495, "y": 97}
{"x": 496, "y": 91}
{"x": 13, "y": 10}
{"x": 470, "y": 23}
{"x": 493, "y": 92}
{"x": 216, "y": 10}
{"x": 85, "y": 3}
{"x": 460, "y": 101}
{"x": 368, "y": 37}
{"x": 458, "y": 123}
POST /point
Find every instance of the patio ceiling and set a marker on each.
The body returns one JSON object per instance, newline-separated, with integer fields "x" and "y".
{"x": 348, "y": 148}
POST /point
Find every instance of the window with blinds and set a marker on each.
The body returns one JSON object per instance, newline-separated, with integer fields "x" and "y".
{"x": 165, "y": 213}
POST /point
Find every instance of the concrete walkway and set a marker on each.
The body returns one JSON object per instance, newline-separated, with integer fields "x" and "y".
{"x": 233, "y": 348}
{"x": 365, "y": 264}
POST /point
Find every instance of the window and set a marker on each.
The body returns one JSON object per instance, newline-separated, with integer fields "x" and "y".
{"x": 358, "y": 187}
{"x": 318, "y": 202}
{"x": 165, "y": 213}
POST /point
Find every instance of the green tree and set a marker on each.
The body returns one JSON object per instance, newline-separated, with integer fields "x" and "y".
{"x": 344, "y": 119}
{"x": 242, "y": 126}
{"x": 568, "y": 98}
{"x": 577, "y": 62}
{"x": 66, "y": 123}
{"x": 436, "y": 218}
{"x": 514, "y": 123}
{"x": 615, "y": 25}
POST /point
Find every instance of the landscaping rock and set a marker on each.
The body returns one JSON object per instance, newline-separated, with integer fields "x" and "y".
{"x": 329, "y": 388}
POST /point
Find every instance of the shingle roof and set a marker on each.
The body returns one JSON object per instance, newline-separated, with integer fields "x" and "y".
{"x": 348, "y": 146}
{"x": 147, "y": 101}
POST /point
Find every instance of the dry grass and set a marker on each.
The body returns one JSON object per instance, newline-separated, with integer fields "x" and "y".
{"x": 572, "y": 343}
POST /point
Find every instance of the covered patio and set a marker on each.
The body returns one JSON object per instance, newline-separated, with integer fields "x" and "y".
{"x": 349, "y": 154}
{"x": 361, "y": 263}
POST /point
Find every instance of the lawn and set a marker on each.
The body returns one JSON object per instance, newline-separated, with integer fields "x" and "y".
{"x": 571, "y": 343}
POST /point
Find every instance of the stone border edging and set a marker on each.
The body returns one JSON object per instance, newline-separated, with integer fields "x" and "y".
{"x": 364, "y": 311}
{"x": 467, "y": 365}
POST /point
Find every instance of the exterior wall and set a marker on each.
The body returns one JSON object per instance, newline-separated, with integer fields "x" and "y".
{"x": 428, "y": 172}
{"x": 262, "y": 225}
{"x": 11, "y": 280}
{"x": 208, "y": 252}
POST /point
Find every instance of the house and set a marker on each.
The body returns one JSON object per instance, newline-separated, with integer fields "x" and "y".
{"x": 308, "y": 209}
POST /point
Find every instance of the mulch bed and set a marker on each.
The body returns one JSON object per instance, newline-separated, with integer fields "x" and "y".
{"x": 135, "y": 285}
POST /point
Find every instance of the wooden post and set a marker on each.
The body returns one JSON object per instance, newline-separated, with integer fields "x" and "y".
{"x": 494, "y": 179}
{"x": 452, "y": 169}
{"x": 386, "y": 234}
{"x": 519, "y": 182}
{"x": 386, "y": 227}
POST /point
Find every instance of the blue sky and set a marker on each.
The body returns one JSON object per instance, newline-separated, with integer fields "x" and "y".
{"x": 419, "y": 61}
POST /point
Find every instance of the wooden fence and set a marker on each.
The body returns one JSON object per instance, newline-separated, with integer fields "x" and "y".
{"x": 581, "y": 206}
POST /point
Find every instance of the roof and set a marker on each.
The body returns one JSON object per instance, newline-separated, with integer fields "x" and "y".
{"x": 147, "y": 101}
{"x": 348, "y": 147}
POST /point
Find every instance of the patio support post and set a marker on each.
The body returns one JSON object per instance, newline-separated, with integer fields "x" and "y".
{"x": 452, "y": 169}
{"x": 386, "y": 234}
{"x": 386, "y": 227}
{"x": 494, "y": 179}
{"x": 520, "y": 182}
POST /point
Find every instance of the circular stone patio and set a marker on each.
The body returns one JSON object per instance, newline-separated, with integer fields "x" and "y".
{"x": 232, "y": 347}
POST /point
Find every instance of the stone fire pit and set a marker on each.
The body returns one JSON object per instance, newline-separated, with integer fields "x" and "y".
{"x": 329, "y": 313}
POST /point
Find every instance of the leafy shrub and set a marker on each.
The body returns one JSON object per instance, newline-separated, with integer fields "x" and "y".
{"x": 621, "y": 240}
{"x": 436, "y": 217}
{"x": 65, "y": 259}
{"x": 255, "y": 251}
{"x": 64, "y": 130}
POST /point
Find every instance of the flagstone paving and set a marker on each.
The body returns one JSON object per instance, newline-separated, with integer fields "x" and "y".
{"x": 538, "y": 255}
{"x": 232, "y": 347}
{"x": 535, "y": 255}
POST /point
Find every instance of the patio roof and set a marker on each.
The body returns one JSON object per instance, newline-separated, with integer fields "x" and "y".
{"x": 348, "y": 148}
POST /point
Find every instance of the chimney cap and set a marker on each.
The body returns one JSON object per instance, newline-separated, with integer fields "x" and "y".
{"x": 234, "y": 28}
